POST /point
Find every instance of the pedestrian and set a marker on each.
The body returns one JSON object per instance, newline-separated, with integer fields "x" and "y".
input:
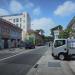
{"x": 49, "y": 44}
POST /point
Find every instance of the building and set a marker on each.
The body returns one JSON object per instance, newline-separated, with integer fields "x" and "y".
{"x": 56, "y": 31}
{"x": 10, "y": 35}
{"x": 38, "y": 39}
{"x": 71, "y": 25}
{"x": 22, "y": 20}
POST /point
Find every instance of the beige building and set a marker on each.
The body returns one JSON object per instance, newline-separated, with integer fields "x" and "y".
{"x": 38, "y": 39}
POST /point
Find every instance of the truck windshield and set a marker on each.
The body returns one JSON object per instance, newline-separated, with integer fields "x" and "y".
{"x": 59, "y": 43}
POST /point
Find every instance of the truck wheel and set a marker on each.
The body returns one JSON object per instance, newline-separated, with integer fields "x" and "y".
{"x": 61, "y": 56}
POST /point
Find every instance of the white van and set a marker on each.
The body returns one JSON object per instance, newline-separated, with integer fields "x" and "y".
{"x": 63, "y": 48}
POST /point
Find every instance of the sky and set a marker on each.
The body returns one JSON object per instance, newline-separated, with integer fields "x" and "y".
{"x": 45, "y": 14}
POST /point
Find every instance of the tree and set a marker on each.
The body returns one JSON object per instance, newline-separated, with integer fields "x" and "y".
{"x": 66, "y": 33}
{"x": 40, "y": 31}
{"x": 48, "y": 38}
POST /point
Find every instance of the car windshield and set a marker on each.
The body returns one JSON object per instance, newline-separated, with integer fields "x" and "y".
{"x": 28, "y": 30}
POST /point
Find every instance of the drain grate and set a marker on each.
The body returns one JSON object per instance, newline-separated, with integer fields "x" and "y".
{"x": 36, "y": 66}
{"x": 54, "y": 64}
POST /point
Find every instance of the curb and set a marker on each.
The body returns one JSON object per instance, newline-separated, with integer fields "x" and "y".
{"x": 71, "y": 69}
{"x": 35, "y": 66}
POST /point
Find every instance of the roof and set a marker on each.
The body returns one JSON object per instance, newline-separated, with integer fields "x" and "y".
{"x": 33, "y": 32}
{"x": 71, "y": 22}
{"x": 10, "y": 24}
{"x": 14, "y": 14}
{"x": 57, "y": 27}
{"x": 11, "y": 15}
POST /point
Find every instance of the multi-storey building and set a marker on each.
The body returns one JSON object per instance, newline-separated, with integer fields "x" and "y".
{"x": 10, "y": 35}
{"x": 22, "y": 20}
{"x": 56, "y": 31}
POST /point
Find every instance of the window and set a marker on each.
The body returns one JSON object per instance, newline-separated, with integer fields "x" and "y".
{"x": 24, "y": 26}
{"x": 59, "y": 43}
{"x": 20, "y": 19}
{"x": 3, "y": 29}
{"x": 7, "y": 30}
{"x": 17, "y": 25}
{"x": 20, "y": 25}
{"x": 10, "y": 19}
{"x": 23, "y": 20}
{"x": 17, "y": 20}
{"x": 14, "y": 20}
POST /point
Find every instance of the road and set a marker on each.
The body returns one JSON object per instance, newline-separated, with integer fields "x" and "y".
{"x": 21, "y": 64}
{"x": 50, "y": 66}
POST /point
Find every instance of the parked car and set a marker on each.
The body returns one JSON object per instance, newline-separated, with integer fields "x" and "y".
{"x": 21, "y": 45}
{"x": 29, "y": 45}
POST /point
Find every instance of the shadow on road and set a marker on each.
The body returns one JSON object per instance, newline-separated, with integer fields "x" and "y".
{"x": 71, "y": 59}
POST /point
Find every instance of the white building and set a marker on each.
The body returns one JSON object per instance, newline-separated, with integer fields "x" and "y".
{"x": 56, "y": 34}
{"x": 22, "y": 20}
{"x": 56, "y": 31}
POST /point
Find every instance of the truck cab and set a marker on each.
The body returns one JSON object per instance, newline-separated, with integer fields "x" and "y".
{"x": 63, "y": 48}
{"x": 59, "y": 48}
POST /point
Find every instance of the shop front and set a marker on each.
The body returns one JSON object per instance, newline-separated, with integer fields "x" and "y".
{"x": 9, "y": 35}
{"x": 5, "y": 40}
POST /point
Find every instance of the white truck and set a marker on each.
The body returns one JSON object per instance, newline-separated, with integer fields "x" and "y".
{"x": 63, "y": 48}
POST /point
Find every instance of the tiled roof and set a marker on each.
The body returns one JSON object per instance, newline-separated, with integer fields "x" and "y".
{"x": 57, "y": 27}
{"x": 10, "y": 23}
{"x": 11, "y": 15}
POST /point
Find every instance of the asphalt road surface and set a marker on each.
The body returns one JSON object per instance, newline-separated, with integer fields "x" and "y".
{"x": 4, "y": 55}
{"x": 21, "y": 64}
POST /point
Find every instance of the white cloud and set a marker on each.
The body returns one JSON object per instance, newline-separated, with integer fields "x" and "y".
{"x": 65, "y": 9}
{"x": 43, "y": 23}
{"x": 29, "y": 5}
{"x": 3, "y": 12}
{"x": 15, "y": 6}
{"x": 37, "y": 11}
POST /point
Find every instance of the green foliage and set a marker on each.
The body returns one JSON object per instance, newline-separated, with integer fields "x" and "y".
{"x": 48, "y": 38}
{"x": 40, "y": 30}
{"x": 30, "y": 40}
{"x": 66, "y": 33}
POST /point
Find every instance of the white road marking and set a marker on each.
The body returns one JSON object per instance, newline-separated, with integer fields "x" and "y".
{"x": 19, "y": 54}
{"x": 11, "y": 56}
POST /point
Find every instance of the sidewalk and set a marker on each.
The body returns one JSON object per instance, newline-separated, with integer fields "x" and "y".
{"x": 48, "y": 66}
{"x": 72, "y": 66}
